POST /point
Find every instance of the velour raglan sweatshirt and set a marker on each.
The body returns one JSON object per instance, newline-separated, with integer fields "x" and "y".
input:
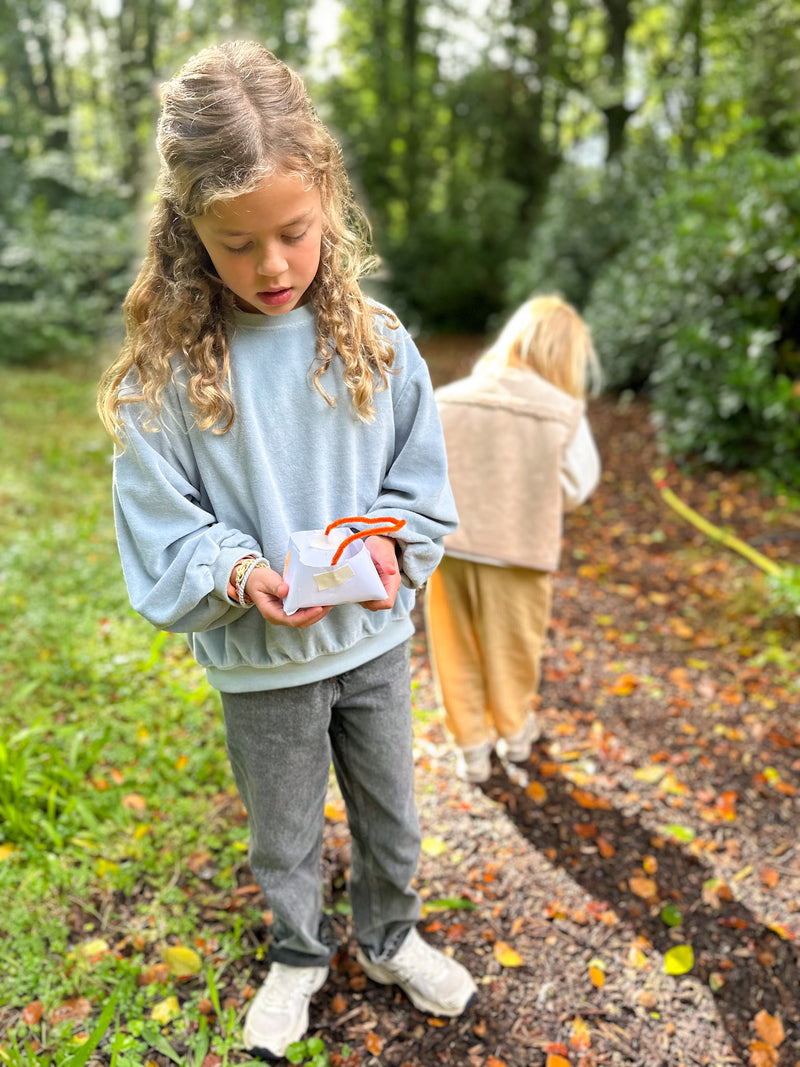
{"x": 189, "y": 503}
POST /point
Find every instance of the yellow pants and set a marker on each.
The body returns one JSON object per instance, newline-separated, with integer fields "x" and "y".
{"x": 486, "y": 626}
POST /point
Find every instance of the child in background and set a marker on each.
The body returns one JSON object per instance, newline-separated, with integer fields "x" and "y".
{"x": 520, "y": 453}
{"x": 259, "y": 392}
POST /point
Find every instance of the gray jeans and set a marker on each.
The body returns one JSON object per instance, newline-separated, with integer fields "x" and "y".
{"x": 280, "y": 743}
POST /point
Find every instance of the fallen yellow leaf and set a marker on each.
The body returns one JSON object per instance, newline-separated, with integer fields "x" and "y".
{"x": 581, "y": 1036}
{"x": 96, "y": 947}
{"x": 433, "y": 846}
{"x": 506, "y": 956}
{"x": 182, "y": 961}
{"x": 679, "y": 960}
{"x": 636, "y": 958}
{"x": 335, "y": 811}
{"x": 7, "y": 850}
{"x": 597, "y": 972}
{"x": 165, "y": 1011}
{"x": 651, "y": 774}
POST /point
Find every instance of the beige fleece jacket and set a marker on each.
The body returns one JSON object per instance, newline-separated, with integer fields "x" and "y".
{"x": 519, "y": 451}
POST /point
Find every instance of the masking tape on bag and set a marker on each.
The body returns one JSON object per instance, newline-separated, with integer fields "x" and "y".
{"x": 329, "y": 579}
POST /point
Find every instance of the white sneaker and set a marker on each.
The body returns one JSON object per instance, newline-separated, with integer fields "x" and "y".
{"x": 518, "y": 748}
{"x": 432, "y": 981}
{"x": 475, "y": 764}
{"x": 278, "y": 1015}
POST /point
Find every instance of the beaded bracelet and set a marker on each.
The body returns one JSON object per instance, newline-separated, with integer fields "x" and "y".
{"x": 244, "y": 568}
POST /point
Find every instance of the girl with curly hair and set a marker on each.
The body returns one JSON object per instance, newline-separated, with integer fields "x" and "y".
{"x": 259, "y": 392}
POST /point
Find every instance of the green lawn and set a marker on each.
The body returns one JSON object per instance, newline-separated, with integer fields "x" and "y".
{"x": 115, "y": 790}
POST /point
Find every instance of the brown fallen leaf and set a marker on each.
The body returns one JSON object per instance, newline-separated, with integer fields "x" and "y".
{"x": 32, "y": 1013}
{"x": 154, "y": 974}
{"x": 536, "y": 791}
{"x": 769, "y": 1028}
{"x": 769, "y": 877}
{"x": 134, "y": 802}
{"x": 763, "y": 1055}
{"x": 373, "y": 1043}
{"x": 70, "y": 1011}
{"x": 589, "y": 800}
{"x": 644, "y": 888}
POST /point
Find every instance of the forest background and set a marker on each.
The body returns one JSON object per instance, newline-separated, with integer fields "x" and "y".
{"x": 640, "y": 157}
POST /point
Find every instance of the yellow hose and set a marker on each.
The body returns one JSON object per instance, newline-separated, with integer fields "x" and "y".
{"x": 767, "y": 565}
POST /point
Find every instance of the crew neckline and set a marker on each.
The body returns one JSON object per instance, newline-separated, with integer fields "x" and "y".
{"x": 255, "y": 320}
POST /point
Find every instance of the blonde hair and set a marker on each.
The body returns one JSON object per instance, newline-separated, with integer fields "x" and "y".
{"x": 547, "y": 335}
{"x": 232, "y": 117}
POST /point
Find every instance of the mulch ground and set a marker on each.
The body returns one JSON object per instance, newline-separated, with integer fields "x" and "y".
{"x": 658, "y": 810}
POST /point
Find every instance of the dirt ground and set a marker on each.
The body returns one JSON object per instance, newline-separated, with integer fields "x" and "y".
{"x": 658, "y": 810}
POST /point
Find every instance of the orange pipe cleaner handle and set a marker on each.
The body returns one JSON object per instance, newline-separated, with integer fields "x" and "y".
{"x": 386, "y": 522}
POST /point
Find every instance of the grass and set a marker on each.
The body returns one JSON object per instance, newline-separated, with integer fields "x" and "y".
{"x": 115, "y": 790}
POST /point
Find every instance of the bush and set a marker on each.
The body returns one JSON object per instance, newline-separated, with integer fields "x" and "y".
{"x": 447, "y": 272}
{"x": 585, "y": 222}
{"x": 64, "y": 270}
{"x": 702, "y": 310}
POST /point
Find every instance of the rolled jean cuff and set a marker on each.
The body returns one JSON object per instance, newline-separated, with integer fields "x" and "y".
{"x": 295, "y": 958}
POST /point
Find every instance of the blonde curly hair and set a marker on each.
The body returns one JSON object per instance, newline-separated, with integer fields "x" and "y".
{"x": 232, "y": 117}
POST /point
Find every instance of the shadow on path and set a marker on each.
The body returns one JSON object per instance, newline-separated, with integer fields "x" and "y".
{"x": 764, "y": 975}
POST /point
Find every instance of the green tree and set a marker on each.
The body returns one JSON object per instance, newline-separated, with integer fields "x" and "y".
{"x": 79, "y": 99}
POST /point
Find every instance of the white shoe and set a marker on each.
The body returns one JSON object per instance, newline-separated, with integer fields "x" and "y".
{"x": 278, "y": 1015}
{"x": 517, "y": 749}
{"x": 432, "y": 981}
{"x": 475, "y": 764}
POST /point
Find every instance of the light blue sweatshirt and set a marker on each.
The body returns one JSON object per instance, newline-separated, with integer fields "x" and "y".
{"x": 189, "y": 503}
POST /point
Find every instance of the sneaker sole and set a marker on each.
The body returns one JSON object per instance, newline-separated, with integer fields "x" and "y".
{"x": 383, "y": 976}
{"x": 264, "y": 1054}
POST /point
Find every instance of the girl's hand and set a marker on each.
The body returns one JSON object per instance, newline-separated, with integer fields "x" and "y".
{"x": 266, "y": 588}
{"x": 381, "y": 549}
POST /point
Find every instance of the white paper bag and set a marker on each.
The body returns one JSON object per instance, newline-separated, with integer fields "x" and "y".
{"x": 333, "y": 566}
